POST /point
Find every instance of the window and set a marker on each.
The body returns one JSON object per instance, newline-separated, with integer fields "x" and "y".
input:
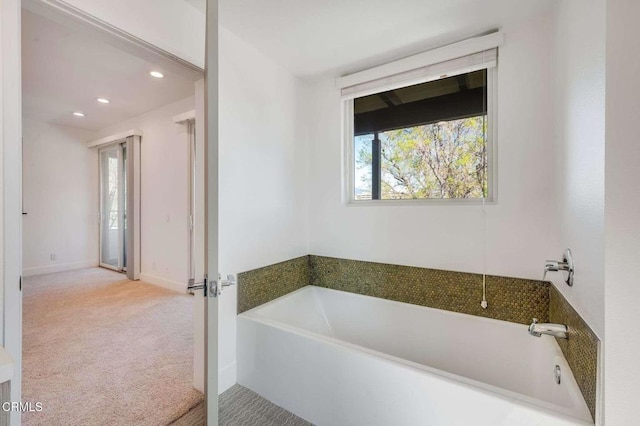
{"x": 423, "y": 141}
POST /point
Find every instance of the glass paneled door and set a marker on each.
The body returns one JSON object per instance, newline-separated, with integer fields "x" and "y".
{"x": 113, "y": 198}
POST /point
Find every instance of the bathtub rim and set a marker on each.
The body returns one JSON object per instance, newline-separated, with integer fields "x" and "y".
{"x": 491, "y": 390}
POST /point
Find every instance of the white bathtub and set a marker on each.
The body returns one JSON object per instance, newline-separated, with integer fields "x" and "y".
{"x": 337, "y": 358}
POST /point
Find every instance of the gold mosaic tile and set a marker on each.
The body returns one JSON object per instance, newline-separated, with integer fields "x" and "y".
{"x": 510, "y": 299}
{"x": 580, "y": 349}
{"x": 265, "y": 284}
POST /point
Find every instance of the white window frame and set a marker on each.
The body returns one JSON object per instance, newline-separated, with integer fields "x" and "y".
{"x": 492, "y": 132}
{"x": 446, "y": 53}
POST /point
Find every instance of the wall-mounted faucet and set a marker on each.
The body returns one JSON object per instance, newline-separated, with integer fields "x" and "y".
{"x": 538, "y": 329}
{"x": 566, "y": 265}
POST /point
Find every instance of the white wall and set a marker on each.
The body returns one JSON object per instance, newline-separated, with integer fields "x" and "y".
{"x": 521, "y": 226}
{"x": 174, "y": 26}
{"x": 263, "y": 171}
{"x": 60, "y": 195}
{"x": 579, "y": 111}
{"x": 622, "y": 214}
{"x": 164, "y": 201}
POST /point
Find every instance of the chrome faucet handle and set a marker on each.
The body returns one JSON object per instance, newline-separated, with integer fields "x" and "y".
{"x": 565, "y": 265}
{"x": 549, "y": 265}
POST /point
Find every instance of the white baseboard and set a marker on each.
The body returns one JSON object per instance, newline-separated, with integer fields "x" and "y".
{"x": 227, "y": 377}
{"x": 49, "y": 269}
{"x": 162, "y": 282}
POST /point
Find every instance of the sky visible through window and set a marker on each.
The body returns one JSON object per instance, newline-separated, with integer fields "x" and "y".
{"x": 362, "y": 168}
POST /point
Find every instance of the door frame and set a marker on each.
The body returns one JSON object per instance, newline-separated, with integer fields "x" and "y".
{"x": 11, "y": 182}
{"x": 193, "y": 124}
{"x": 11, "y": 148}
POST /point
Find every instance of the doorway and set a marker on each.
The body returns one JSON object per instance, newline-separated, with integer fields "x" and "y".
{"x": 113, "y": 207}
{"x": 93, "y": 117}
{"x": 120, "y": 200}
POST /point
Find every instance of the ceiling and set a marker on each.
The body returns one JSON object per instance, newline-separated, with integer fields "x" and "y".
{"x": 65, "y": 68}
{"x": 315, "y": 38}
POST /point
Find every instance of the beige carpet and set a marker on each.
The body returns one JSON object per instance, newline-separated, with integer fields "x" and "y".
{"x": 99, "y": 349}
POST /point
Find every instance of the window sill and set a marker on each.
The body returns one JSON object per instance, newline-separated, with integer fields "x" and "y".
{"x": 423, "y": 202}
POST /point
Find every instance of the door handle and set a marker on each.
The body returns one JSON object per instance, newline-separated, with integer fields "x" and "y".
{"x": 201, "y": 285}
{"x": 231, "y": 280}
{"x": 216, "y": 287}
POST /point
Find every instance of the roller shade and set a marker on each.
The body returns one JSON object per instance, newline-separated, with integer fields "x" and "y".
{"x": 485, "y": 59}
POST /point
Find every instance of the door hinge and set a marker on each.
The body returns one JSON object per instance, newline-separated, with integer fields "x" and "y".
{"x": 20, "y": 283}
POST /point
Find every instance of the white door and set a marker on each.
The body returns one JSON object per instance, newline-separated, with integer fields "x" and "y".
{"x": 211, "y": 203}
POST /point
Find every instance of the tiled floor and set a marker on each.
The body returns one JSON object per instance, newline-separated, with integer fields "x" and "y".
{"x": 241, "y": 407}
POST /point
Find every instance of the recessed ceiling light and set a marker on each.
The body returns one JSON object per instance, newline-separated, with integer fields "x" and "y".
{"x": 156, "y": 74}
{"x": 78, "y": 114}
{"x": 103, "y": 100}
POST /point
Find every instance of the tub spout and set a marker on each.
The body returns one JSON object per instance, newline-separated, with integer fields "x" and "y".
{"x": 557, "y": 330}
